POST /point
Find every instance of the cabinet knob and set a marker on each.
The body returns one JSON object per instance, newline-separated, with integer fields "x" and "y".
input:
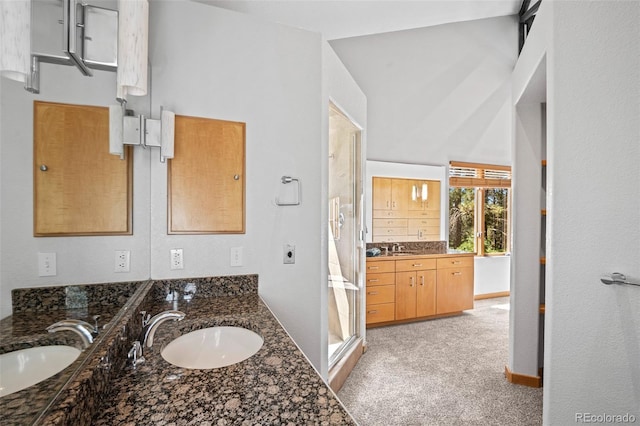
{"x": 236, "y": 177}
{"x": 43, "y": 167}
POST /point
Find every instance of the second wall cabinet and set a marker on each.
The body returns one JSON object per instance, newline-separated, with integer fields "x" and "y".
{"x": 405, "y": 210}
{"x": 207, "y": 177}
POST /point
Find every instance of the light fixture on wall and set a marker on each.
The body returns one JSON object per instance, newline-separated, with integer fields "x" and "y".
{"x": 139, "y": 130}
{"x": 133, "y": 35}
{"x": 93, "y": 38}
{"x": 419, "y": 192}
{"x": 424, "y": 194}
{"x": 15, "y": 39}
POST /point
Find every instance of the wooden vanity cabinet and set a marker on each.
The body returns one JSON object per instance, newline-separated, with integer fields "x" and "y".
{"x": 415, "y": 288}
{"x": 454, "y": 289}
{"x": 380, "y": 288}
{"x": 421, "y": 287}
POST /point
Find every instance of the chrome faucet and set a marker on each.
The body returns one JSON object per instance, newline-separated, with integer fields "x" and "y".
{"x": 83, "y": 329}
{"x": 151, "y": 324}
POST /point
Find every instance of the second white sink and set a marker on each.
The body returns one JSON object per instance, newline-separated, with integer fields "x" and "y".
{"x": 26, "y": 367}
{"x": 212, "y": 347}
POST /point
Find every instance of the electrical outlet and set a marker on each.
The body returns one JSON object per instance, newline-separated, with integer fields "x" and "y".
{"x": 177, "y": 261}
{"x": 235, "y": 256}
{"x": 47, "y": 264}
{"x": 289, "y": 254}
{"x": 122, "y": 261}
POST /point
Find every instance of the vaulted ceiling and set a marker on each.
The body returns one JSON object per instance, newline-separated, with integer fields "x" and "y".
{"x": 350, "y": 18}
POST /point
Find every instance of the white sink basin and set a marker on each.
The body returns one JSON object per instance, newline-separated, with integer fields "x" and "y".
{"x": 212, "y": 347}
{"x": 26, "y": 367}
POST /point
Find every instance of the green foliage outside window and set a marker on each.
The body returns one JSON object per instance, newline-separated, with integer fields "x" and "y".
{"x": 495, "y": 220}
{"x": 461, "y": 212}
{"x": 461, "y": 219}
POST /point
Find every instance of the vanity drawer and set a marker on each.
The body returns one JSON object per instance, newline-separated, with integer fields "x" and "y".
{"x": 381, "y": 294}
{"x": 389, "y": 213}
{"x": 455, "y": 262}
{"x": 415, "y": 264}
{"x": 422, "y": 214}
{"x": 380, "y": 266}
{"x": 386, "y": 278}
{"x": 389, "y": 223}
{"x": 422, "y": 223}
{"x": 377, "y": 232}
{"x": 381, "y": 313}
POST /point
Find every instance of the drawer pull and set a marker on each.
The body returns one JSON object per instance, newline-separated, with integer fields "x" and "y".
{"x": 373, "y": 267}
{"x": 373, "y": 312}
{"x": 415, "y": 265}
{"x": 372, "y": 293}
{"x": 456, "y": 273}
{"x": 455, "y": 262}
{"x": 410, "y": 281}
{"x": 373, "y": 280}
{"x": 422, "y": 280}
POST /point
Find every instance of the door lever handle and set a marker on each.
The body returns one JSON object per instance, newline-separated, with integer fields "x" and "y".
{"x": 617, "y": 278}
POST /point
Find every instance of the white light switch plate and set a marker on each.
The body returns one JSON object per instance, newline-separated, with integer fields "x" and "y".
{"x": 47, "y": 264}
{"x": 235, "y": 256}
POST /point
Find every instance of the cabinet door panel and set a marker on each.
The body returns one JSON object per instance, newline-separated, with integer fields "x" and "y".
{"x": 454, "y": 290}
{"x": 400, "y": 189}
{"x": 426, "y": 293}
{"x": 381, "y": 193}
{"x": 79, "y": 188}
{"x": 206, "y": 177}
{"x": 405, "y": 295}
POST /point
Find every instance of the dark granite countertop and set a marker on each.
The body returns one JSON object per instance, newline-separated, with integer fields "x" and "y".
{"x": 277, "y": 385}
{"x": 417, "y": 254}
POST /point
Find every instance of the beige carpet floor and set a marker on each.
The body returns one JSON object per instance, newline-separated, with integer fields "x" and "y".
{"x": 447, "y": 371}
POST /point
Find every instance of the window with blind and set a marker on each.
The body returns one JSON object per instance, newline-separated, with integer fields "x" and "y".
{"x": 479, "y": 208}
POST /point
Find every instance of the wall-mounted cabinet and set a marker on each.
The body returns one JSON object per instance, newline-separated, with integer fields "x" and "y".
{"x": 405, "y": 210}
{"x": 79, "y": 188}
{"x": 207, "y": 177}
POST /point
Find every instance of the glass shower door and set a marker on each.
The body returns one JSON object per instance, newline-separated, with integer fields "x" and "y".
{"x": 345, "y": 243}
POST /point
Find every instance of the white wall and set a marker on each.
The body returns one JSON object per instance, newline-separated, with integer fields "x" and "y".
{"x": 491, "y": 274}
{"x": 592, "y": 331}
{"x": 592, "y": 345}
{"x": 439, "y": 93}
{"x": 211, "y": 62}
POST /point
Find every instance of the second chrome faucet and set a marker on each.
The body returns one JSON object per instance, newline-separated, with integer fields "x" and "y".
{"x": 149, "y": 326}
